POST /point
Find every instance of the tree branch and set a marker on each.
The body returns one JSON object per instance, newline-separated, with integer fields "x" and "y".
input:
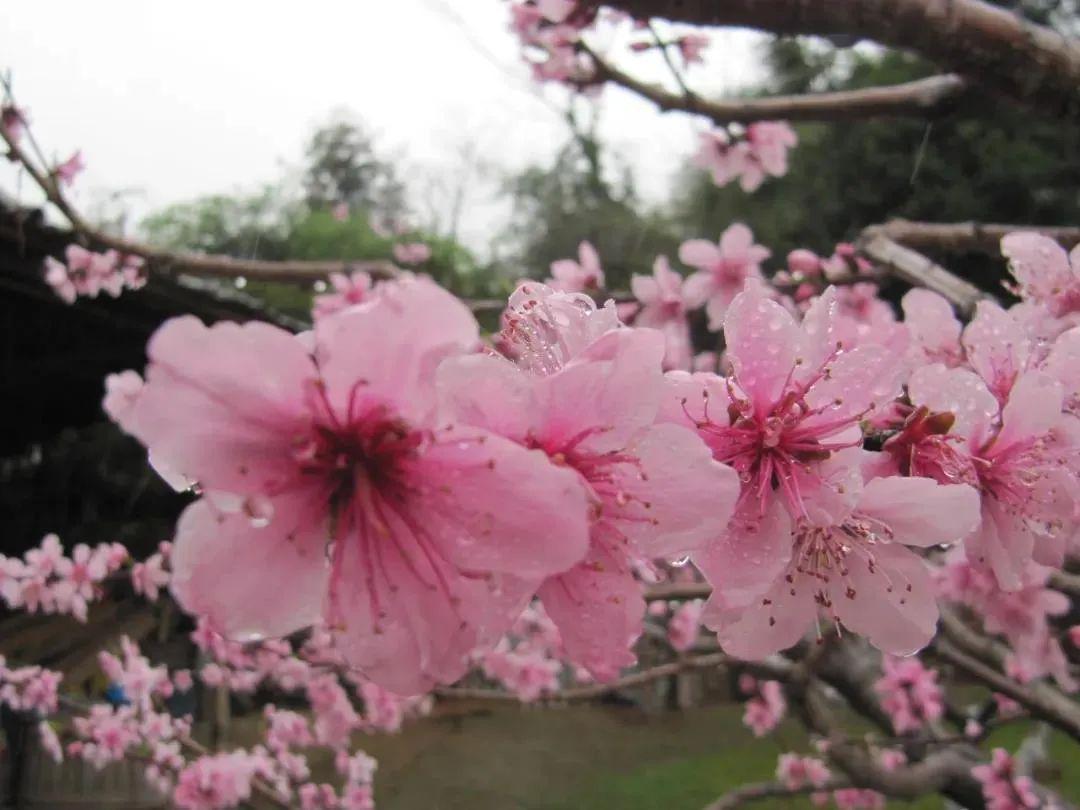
{"x": 756, "y": 791}
{"x": 925, "y": 98}
{"x": 988, "y": 45}
{"x": 918, "y": 270}
{"x": 1041, "y": 699}
{"x": 961, "y": 237}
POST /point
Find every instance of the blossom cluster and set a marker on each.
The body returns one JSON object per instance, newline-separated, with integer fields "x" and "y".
{"x": 749, "y": 155}
{"x": 86, "y": 273}
{"x": 909, "y": 694}
{"x": 551, "y": 33}
{"x": 46, "y": 580}
{"x": 417, "y": 495}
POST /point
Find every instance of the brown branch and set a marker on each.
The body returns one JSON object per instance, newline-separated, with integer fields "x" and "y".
{"x": 918, "y": 270}
{"x": 925, "y": 98}
{"x": 757, "y": 791}
{"x": 196, "y": 264}
{"x": 987, "y": 45}
{"x": 1041, "y": 699}
{"x": 961, "y": 237}
{"x": 947, "y": 771}
{"x": 773, "y": 669}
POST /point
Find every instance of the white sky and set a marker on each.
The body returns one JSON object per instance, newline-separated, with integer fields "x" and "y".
{"x": 177, "y": 100}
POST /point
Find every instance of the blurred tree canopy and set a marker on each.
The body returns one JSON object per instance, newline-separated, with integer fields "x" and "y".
{"x": 296, "y": 220}
{"x": 585, "y": 194}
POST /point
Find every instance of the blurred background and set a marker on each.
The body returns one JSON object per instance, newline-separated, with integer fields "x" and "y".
{"x": 240, "y": 128}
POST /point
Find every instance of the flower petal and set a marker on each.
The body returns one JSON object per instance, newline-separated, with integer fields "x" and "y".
{"x": 250, "y": 580}
{"x": 920, "y": 511}
{"x": 891, "y": 602}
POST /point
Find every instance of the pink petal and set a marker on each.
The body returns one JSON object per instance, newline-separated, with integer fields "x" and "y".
{"x": 762, "y": 341}
{"x": 860, "y": 381}
{"x": 698, "y": 289}
{"x": 745, "y": 562}
{"x": 699, "y": 253}
{"x": 406, "y": 619}
{"x": 997, "y": 346}
{"x": 773, "y": 623}
{"x": 1034, "y": 407}
{"x": 645, "y": 289}
{"x": 892, "y": 603}
{"x": 931, "y": 319}
{"x": 490, "y": 393}
{"x": 684, "y": 398}
{"x": 393, "y": 345}
{"x": 920, "y": 511}
{"x": 957, "y": 391}
{"x": 690, "y": 496}
{"x": 250, "y": 580}
{"x": 221, "y": 405}
{"x": 1003, "y": 543}
{"x": 1063, "y": 363}
{"x": 1038, "y": 262}
{"x": 599, "y": 609}
{"x": 489, "y": 504}
{"x": 614, "y": 386}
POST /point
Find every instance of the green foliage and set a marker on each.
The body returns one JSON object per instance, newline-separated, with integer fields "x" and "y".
{"x": 277, "y": 222}
{"x": 574, "y": 199}
{"x": 342, "y": 166}
{"x": 255, "y": 225}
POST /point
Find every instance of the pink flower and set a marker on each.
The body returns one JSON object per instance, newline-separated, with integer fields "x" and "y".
{"x": 685, "y": 624}
{"x": 578, "y": 276}
{"x": 848, "y": 561}
{"x": 50, "y": 743}
{"x": 726, "y": 160}
{"x": 335, "y": 717}
{"x": 149, "y": 576}
{"x": 56, "y": 276}
{"x": 348, "y": 290}
{"x": 183, "y": 681}
{"x": 1023, "y": 616}
{"x": 760, "y": 153}
{"x": 412, "y": 253}
{"x": 340, "y": 212}
{"x": 865, "y": 318}
{"x": 13, "y": 121}
{"x": 121, "y": 393}
{"x": 691, "y": 47}
{"x": 426, "y": 519}
{"x": 588, "y": 397}
{"x": 797, "y": 772}
{"x": 933, "y": 327}
{"x": 1044, "y": 272}
{"x": 215, "y": 781}
{"x": 769, "y": 144}
{"x": 766, "y": 707}
{"x": 723, "y": 270}
{"x": 1011, "y": 456}
{"x": 67, "y": 171}
{"x": 663, "y": 308}
{"x": 910, "y": 693}
{"x": 1002, "y": 788}
{"x": 804, "y": 262}
{"x": 796, "y": 398}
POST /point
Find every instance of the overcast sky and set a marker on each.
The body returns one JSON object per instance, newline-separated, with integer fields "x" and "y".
{"x": 177, "y": 100}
